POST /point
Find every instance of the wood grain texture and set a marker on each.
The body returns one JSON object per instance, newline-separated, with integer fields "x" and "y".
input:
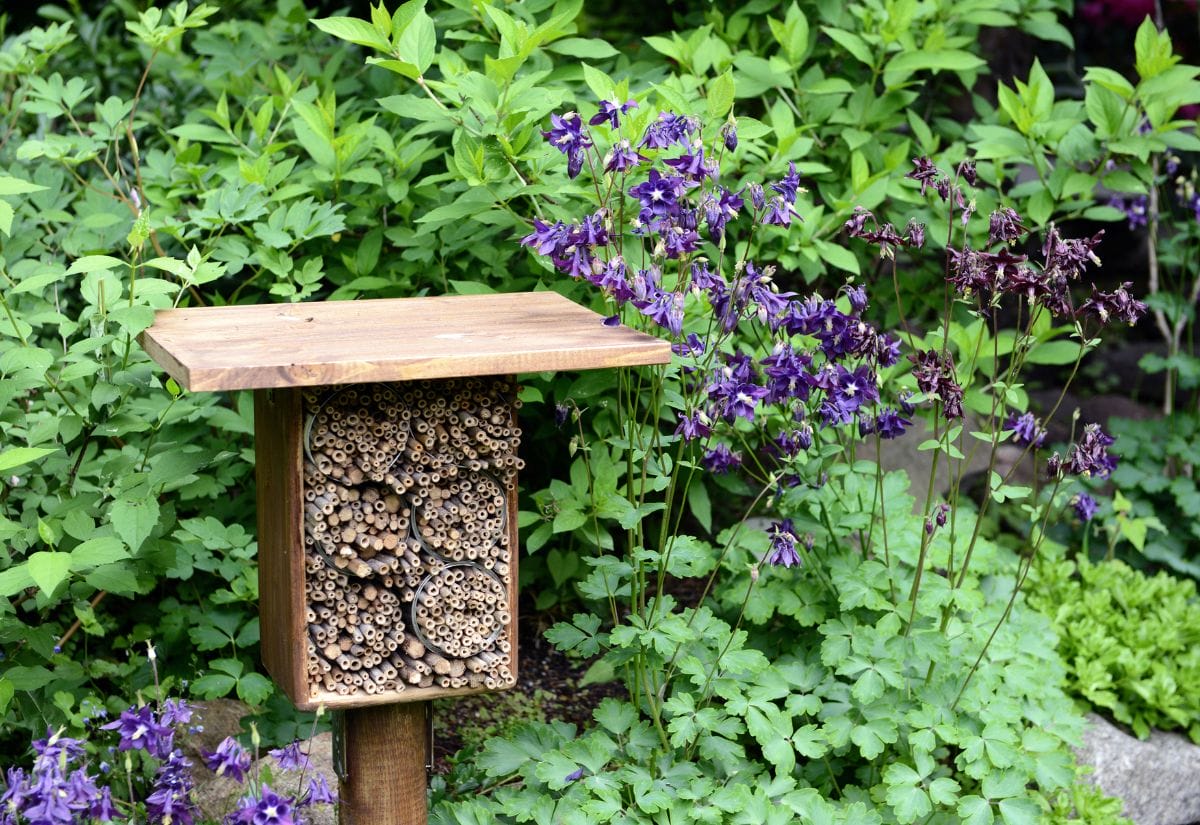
{"x": 278, "y": 429}
{"x": 350, "y": 342}
{"x": 385, "y": 778}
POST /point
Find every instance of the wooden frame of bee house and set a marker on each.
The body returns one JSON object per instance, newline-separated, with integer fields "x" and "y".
{"x": 381, "y": 427}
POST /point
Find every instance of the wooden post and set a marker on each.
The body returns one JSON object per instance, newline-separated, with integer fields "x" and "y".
{"x": 381, "y": 774}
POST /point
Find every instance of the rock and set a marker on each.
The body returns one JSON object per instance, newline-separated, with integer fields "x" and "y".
{"x": 1158, "y": 779}
{"x": 217, "y": 796}
{"x": 902, "y": 454}
{"x": 217, "y": 719}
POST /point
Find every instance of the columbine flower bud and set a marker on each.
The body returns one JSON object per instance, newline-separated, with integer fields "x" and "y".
{"x": 729, "y": 134}
{"x": 757, "y": 196}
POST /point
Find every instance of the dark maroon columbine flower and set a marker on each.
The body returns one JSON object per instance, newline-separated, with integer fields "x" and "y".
{"x": 1118, "y": 304}
{"x": 1090, "y": 457}
{"x": 1005, "y": 226}
{"x": 934, "y": 374}
{"x": 924, "y": 173}
{"x": 914, "y": 234}
{"x": 966, "y": 171}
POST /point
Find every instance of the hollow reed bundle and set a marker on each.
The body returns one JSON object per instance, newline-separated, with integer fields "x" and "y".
{"x": 407, "y": 552}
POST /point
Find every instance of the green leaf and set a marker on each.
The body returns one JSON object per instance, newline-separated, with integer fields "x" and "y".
{"x": 49, "y": 569}
{"x": 905, "y": 63}
{"x": 134, "y": 520}
{"x": 975, "y": 810}
{"x": 214, "y": 685}
{"x": 720, "y": 95}
{"x": 583, "y": 48}
{"x": 355, "y": 31}
{"x": 254, "y": 689}
{"x": 6, "y": 694}
{"x": 98, "y": 551}
{"x": 16, "y": 186}
{"x": 18, "y": 456}
{"x": 418, "y": 44}
{"x": 94, "y": 263}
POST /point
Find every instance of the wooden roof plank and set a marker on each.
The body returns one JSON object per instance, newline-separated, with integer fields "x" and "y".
{"x": 401, "y": 339}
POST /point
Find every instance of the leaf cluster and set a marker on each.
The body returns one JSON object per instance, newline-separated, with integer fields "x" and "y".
{"x": 1131, "y": 642}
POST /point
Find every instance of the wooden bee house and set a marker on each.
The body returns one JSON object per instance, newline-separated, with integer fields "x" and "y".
{"x": 387, "y": 443}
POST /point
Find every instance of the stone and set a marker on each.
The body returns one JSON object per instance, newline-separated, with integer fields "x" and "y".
{"x": 902, "y": 454}
{"x": 217, "y": 795}
{"x": 1158, "y": 779}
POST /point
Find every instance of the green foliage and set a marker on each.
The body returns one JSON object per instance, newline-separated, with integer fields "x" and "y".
{"x": 1153, "y": 484}
{"x": 1086, "y": 803}
{"x": 1131, "y": 641}
{"x": 823, "y": 707}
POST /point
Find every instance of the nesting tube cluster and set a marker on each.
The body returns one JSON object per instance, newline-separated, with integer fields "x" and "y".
{"x": 408, "y": 559}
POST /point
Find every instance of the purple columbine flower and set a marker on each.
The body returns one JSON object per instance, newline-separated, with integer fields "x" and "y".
{"x": 1136, "y": 209}
{"x": 779, "y": 212}
{"x": 1026, "y": 429}
{"x": 757, "y": 196}
{"x": 694, "y": 425}
{"x": 693, "y": 165}
{"x": 857, "y": 296}
{"x": 548, "y": 239}
{"x": 789, "y": 185}
{"x": 720, "y": 459}
{"x": 890, "y": 424}
{"x": 291, "y": 757}
{"x": 658, "y": 194}
{"x": 666, "y": 310}
{"x": 269, "y": 809}
{"x": 783, "y": 544}
{"x": 611, "y": 111}
{"x": 573, "y": 775}
{"x": 1085, "y": 507}
{"x": 669, "y": 129}
{"x": 318, "y": 793}
{"x": 171, "y": 799}
{"x": 229, "y": 759}
{"x": 622, "y": 157}
{"x": 566, "y": 135}
{"x": 691, "y": 347}
{"x": 141, "y": 730}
